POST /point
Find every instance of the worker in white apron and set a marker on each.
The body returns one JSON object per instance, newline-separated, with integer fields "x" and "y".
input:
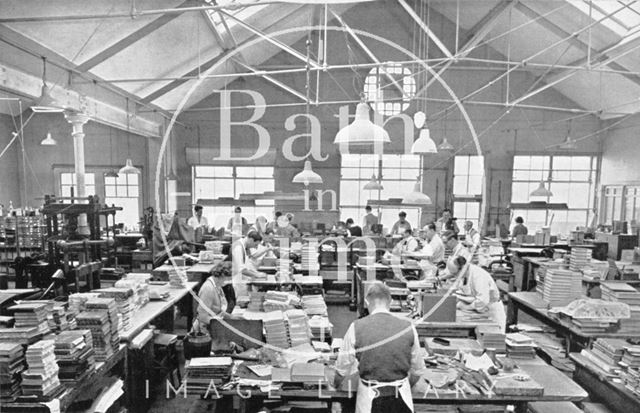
{"x": 386, "y": 370}
{"x": 241, "y": 268}
{"x": 478, "y": 292}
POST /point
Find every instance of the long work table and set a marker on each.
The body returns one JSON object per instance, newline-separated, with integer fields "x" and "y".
{"x": 532, "y": 304}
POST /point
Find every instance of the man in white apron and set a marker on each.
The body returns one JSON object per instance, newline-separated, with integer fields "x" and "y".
{"x": 241, "y": 270}
{"x": 386, "y": 369}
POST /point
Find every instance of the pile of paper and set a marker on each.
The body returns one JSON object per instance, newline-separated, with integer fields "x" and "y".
{"x": 298, "y": 327}
{"x": 276, "y": 301}
{"x": 177, "y": 278}
{"x": 109, "y": 306}
{"x": 631, "y": 325}
{"x": 631, "y": 380}
{"x": 579, "y": 258}
{"x": 256, "y": 300}
{"x": 29, "y": 314}
{"x": 609, "y": 350}
{"x": 314, "y": 305}
{"x": 98, "y": 323}
{"x": 78, "y": 300}
{"x": 202, "y": 371}
{"x": 124, "y": 300}
{"x": 321, "y": 328}
{"x": 63, "y": 319}
{"x": 561, "y": 286}
{"x": 74, "y": 355}
{"x": 139, "y": 283}
{"x": 520, "y": 346}
{"x": 11, "y": 365}
{"x": 41, "y": 377}
{"x": 631, "y": 356}
{"x": 491, "y": 337}
{"x": 276, "y": 329}
{"x": 22, "y": 335}
{"x": 310, "y": 258}
{"x": 623, "y": 292}
{"x": 312, "y": 373}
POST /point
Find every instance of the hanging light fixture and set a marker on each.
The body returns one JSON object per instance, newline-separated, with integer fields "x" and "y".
{"x": 48, "y": 140}
{"x": 424, "y": 144}
{"x": 569, "y": 143}
{"x": 445, "y": 146}
{"x": 416, "y": 197}
{"x": 46, "y": 103}
{"x": 541, "y": 191}
{"x": 128, "y": 168}
{"x": 112, "y": 172}
{"x": 373, "y": 184}
{"x": 307, "y": 176}
{"x": 362, "y": 131}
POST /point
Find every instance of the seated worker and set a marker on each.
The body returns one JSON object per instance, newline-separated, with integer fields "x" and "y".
{"x": 212, "y": 297}
{"x": 274, "y": 224}
{"x": 369, "y": 221}
{"x": 451, "y": 242}
{"x": 519, "y": 228}
{"x": 263, "y": 248}
{"x": 402, "y": 225}
{"x": 407, "y": 246}
{"x": 447, "y": 222}
{"x": 260, "y": 226}
{"x": 237, "y": 222}
{"x": 285, "y": 229}
{"x": 479, "y": 292}
{"x": 387, "y": 370}
{"x": 471, "y": 235}
{"x": 197, "y": 220}
{"x": 353, "y": 230}
{"x": 433, "y": 248}
{"x": 242, "y": 269}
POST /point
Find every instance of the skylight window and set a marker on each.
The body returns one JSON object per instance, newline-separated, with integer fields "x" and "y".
{"x": 242, "y": 13}
{"x": 620, "y": 16}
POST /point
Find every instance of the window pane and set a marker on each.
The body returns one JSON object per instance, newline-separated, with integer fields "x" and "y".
{"x": 132, "y": 179}
{"x": 109, "y": 180}
{"x": 110, "y": 191}
{"x": 133, "y": 191}
{"x": 460, "y": 185}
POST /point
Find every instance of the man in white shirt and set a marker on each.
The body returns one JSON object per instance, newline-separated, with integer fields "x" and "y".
{"x": 451, "y": 242}
{"x": 433, "y": 249}
{"x": 408, "y": 245}
{"x": 471, "y": 235}
{"x": 197, "y": 220}
{"x": 242, "y": 270}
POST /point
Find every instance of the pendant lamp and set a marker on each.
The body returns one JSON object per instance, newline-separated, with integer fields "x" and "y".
{"x": 541, "y": 191}
{"x": 445, "y": 146}
{"x": 46, "y": 103}
{"x": 417, "y": 196}
{"x": 48, "y": 141}
{"x": 362, "y": 131}
{"x": 307, "y": 176}
{"x": 373, "y": 184}
{"x": 128, "y": 167}
{"x": 569, "y": 144}
{"x": 112, "y": 173}
{"x": 424, "y": 144}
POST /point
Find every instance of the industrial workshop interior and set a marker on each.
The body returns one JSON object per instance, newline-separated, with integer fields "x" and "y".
{"x": 320, "y": 206}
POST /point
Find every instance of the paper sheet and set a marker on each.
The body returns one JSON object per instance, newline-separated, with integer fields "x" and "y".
{"x": 260, "y": 370}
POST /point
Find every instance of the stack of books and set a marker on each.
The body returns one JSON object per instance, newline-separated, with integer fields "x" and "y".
{"x": 276, "y": 301}
{"x": 28, "y": 314}
{"x": 177, "y": 278}
{"x": 256, "y": 301}
{"x": 124, "y": 301}
{"x": 11, "y": 365}
{"x": 520, "y": 346}
{"x": 139, "y": 283}
{"x": 77, "y": 301}
{"x": 201, "y": 372}
{"x": 612, "y": 291}
{"x": 310, "y": 258}
{"x": 298, "y": 327}
{"x": 62, "y": 318}
{"x": 108, "y": 306}
{"x": 311, "y": 373}
{"x": 276, "y": 329}
{"x": 314, "y": 305}
{"x": 631, "y": 356}
{"x": 579, "y": 258}
{"x": 22, "y": 335}
{"x": 561, "y": 286}
{"x": 321, "y": 328}
{"x": 631, "y": 325}
{"x": 491, "y": 337}
{"x": 74, "y": 355}
{"x": 631, "y": 380}
{"x": 41, "y": 377}
{"x": 609, "y": 350}
{"x": 98, "y": 323}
